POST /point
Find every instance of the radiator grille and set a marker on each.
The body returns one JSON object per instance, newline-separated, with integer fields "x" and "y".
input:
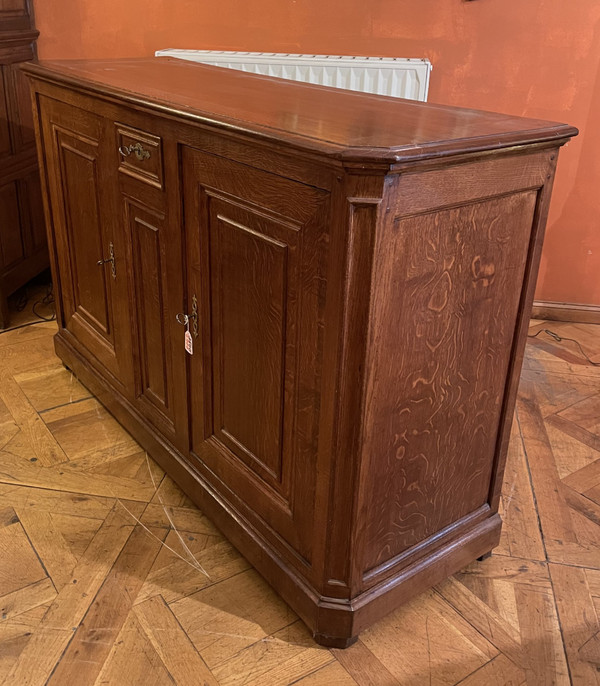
{"x": 393, "y": 76}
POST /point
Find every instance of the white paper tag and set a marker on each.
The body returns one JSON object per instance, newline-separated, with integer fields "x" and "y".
{"x": 189, "y": 343}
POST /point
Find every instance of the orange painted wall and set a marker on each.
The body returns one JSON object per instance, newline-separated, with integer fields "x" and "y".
{"x": 539, "y": 58}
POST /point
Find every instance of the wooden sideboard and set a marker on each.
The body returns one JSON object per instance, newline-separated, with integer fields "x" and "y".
{"x": 23, "y": 248}
{"x": 353, "y": 275}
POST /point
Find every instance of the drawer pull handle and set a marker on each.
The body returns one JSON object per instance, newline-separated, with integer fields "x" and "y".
{"x": 138, "y": 149}
{"x": 111, "y": 259}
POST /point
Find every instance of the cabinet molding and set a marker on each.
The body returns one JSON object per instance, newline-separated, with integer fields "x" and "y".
{"x": 318, "y": 316}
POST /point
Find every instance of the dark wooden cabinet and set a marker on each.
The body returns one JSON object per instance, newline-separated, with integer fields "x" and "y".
{"x": 90, "y": 238}
{"x": 352, "y": 277}
{"x": 257, "y": 265}
{"x": 23, "y": 248}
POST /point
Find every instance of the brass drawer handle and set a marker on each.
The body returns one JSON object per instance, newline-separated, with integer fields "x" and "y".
{"x": 140, "y": 152}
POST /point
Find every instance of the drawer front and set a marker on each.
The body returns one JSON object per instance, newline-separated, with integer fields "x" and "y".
{"x": 140, "y": 155}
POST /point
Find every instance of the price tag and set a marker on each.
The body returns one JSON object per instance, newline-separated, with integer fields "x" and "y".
{"x": 189, "y": 343}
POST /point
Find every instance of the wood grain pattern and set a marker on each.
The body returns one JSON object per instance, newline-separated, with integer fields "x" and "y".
{"x": 146, "y": 231}
{"x": 94, "y": 287}
{"x": 435, "y": 389}
{"x": 172, "y": 644}
{"x": 35, "y": 432}
{"x": 262, "y": 273}
{"x": 357, "y": 127}
{"x": 356, "y": 284}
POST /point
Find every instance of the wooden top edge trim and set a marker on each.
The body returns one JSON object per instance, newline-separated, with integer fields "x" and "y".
{"x": 75, "y": 74}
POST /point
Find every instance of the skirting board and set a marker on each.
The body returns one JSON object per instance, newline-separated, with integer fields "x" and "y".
{"x": 566, "y": 312}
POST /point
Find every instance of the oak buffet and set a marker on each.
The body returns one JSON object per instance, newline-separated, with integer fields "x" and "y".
{"x": 353, "y": 275}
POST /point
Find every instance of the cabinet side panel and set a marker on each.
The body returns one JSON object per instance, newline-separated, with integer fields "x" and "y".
{"x": 446, "y": 308}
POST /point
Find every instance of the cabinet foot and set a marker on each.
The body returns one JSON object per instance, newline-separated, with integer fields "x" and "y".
{"x": 484, "y": 557}
{"x": 334, "y": 641}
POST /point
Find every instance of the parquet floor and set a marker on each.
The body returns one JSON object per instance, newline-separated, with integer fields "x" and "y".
{"x": 110, "y": 576}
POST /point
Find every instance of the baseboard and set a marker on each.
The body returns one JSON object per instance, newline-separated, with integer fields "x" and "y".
{"x": 566, "y": 312}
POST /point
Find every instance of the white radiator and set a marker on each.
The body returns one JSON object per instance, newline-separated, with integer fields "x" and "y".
{"x": 400, "y": 78}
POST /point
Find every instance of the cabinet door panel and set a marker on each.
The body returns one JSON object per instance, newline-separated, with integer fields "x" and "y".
{"x": 79, "y": 173}
{"x": 257, "y": 255}
{"x": 154, "y": 392}
{"x": 95, "y": 296}
{"x": 252, "y": 265}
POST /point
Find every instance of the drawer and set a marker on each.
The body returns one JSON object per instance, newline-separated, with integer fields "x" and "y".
{"x": 140, "y": 155}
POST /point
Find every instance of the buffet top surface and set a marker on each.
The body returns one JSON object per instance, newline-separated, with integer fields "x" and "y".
{"x": 334, "y": 122}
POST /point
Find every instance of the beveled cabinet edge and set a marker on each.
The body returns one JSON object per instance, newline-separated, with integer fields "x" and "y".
{"x": 363, "y": 190}
{"x": 348, "y": 155}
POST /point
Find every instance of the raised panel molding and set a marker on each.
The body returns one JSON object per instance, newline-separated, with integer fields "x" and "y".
{"x": 145, "y": 229}
{"x": 357, "y": 275}
{"x": 261, "y": 269}
{"x": 94, "y": 307}
{"x": 443, "y": 398}
{"x": 81, "y": 208}
{"x": 250, "y": 287}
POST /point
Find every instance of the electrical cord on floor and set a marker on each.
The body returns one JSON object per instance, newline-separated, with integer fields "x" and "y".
{"x": 560, "y": 339}
{"x": 46, "y": 301}
{"x": 21, "y": 299}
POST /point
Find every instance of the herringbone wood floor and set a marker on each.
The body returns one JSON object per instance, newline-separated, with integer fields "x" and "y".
{"x": 109, "y": 574}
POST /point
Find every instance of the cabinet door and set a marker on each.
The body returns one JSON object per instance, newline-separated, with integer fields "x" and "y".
{"x": 156, "y": 294}
{"x": 95, "y": 302}
{"x": 256, "y": 254}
